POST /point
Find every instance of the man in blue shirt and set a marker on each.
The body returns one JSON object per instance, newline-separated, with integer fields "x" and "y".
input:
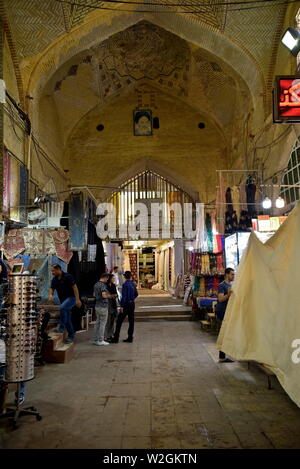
{"x": 129, "y": 294}
{"x": 224, "y": 292}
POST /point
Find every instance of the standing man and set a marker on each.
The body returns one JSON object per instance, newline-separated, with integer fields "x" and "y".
{"x": 102, "y": 296}
{"x": 129, "y": 294}
{"x": 118, "y": 280}
{"x": 68, "y": 295}
{"x": 224, "y": 293}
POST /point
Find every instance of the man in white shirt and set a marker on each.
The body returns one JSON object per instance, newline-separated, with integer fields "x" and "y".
{"x": 118, "y": 280}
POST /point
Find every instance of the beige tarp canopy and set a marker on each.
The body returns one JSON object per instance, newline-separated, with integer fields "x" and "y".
{"x": 262, "y": 320}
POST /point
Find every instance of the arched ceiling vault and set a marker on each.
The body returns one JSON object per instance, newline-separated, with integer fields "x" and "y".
{"x": 98, "y": 26}
{"x": 143, "y": 58}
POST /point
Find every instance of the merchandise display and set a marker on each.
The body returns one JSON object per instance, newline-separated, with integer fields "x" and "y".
{"x": 130, "y": 262}
{"x": 19, "y": 322}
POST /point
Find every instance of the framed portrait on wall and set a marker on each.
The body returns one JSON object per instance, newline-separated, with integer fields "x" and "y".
{"x": 142, "y": 122}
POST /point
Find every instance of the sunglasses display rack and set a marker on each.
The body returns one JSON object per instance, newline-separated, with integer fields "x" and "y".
{"x": 22, "y": 328}
{"x": 21, "y": 321}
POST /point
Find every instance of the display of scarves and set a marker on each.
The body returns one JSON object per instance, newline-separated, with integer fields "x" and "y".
{"x": 14, "y": 244}
{"x": 201, "y": 234}
{"x": 228, "y": 197}
{"x": 212, "y": 264}
{"x": 188, "y": 290}
{"x": 161, "y": 268}
{"x": 220, "y": 264}
{"x": 214, "y": 232}
{"x": 2, "y": 232}
{"x": 209, "y": 232}
{"x": 62, "y": 251}
{"x": 60, "y": 238}
{"x": 38, "y": 241}
{"x": 77, "y": 222}
{"x": 219, "y": 243}
{"x": 250, "y": 194}
{"x": 6, "y": 183}
{"x": 202, "y": 287}
{"x": 205, "y": 266}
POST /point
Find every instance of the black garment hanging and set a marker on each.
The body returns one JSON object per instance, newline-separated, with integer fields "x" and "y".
{"x": 228, "y": 197}
{"x": 250, "y": 194}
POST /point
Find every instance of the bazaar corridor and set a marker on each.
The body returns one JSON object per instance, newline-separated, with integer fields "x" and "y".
{"x": 166, "y": 390}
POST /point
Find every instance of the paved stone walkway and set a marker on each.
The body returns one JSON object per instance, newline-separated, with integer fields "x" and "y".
{"x": 166, "y": 390}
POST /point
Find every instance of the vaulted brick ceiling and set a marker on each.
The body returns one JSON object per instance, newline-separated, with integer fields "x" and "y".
{"x": 82, "y": 64}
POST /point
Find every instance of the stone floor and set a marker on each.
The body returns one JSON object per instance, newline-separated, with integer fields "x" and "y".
{"x": 152, "y": 300}
{"x": 166, "y": 390}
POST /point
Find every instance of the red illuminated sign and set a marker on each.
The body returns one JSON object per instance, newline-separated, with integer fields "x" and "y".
{"x": 286, "y": 99}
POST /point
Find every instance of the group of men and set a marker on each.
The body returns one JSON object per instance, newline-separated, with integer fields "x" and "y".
{"x": 106, "y": 295}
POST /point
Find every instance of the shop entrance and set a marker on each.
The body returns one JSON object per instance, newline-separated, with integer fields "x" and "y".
{"x": 155, "y": 266}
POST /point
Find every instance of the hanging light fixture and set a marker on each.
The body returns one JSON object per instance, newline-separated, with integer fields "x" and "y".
{"x": 267, "y": 203}
{"x": 279, "y": 203}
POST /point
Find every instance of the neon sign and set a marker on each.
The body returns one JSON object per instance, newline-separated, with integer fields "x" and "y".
{"x": 286, "y": 99}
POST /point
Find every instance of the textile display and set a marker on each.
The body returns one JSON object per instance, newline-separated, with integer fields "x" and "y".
{"x": 114, "y": 256}
{"x": 183, "y": 282}
{"x": 262, "y": 321}
{"x": 209, "y": 232}
{"x": 60, "y": 238}
{"x": 6, "y": 183}
{"x": 13, "y": 244}
{"x": 161, "y": 268}
{"x": 201, "y": 234}
{"x": 23, "y": 192}
{"x": 133, "y": 260}
{"x": 62, "y": 251}
{"x": 250, "y": 194}
{"x": 188, "y": 290}
{"x": 214, "y": 231}
{"x": 77, "y": 224}
{"x": 38, "y": 241}
{"x": 206, "y": 286}
{"x": 126, "y": 262}
{"x": 2, "y": 232}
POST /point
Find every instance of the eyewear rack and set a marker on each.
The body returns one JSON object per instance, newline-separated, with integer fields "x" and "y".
{"x": 20, "y": 319}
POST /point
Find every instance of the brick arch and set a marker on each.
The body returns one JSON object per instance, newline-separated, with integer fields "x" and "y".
{"x": 97, "y": 30}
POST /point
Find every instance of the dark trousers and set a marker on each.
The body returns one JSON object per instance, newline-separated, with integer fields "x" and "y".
{"x": 128, "y": 310}
{"x": 222, "y": 355}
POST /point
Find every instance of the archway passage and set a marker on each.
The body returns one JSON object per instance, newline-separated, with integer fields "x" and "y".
{"x": 145, "y": 105}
